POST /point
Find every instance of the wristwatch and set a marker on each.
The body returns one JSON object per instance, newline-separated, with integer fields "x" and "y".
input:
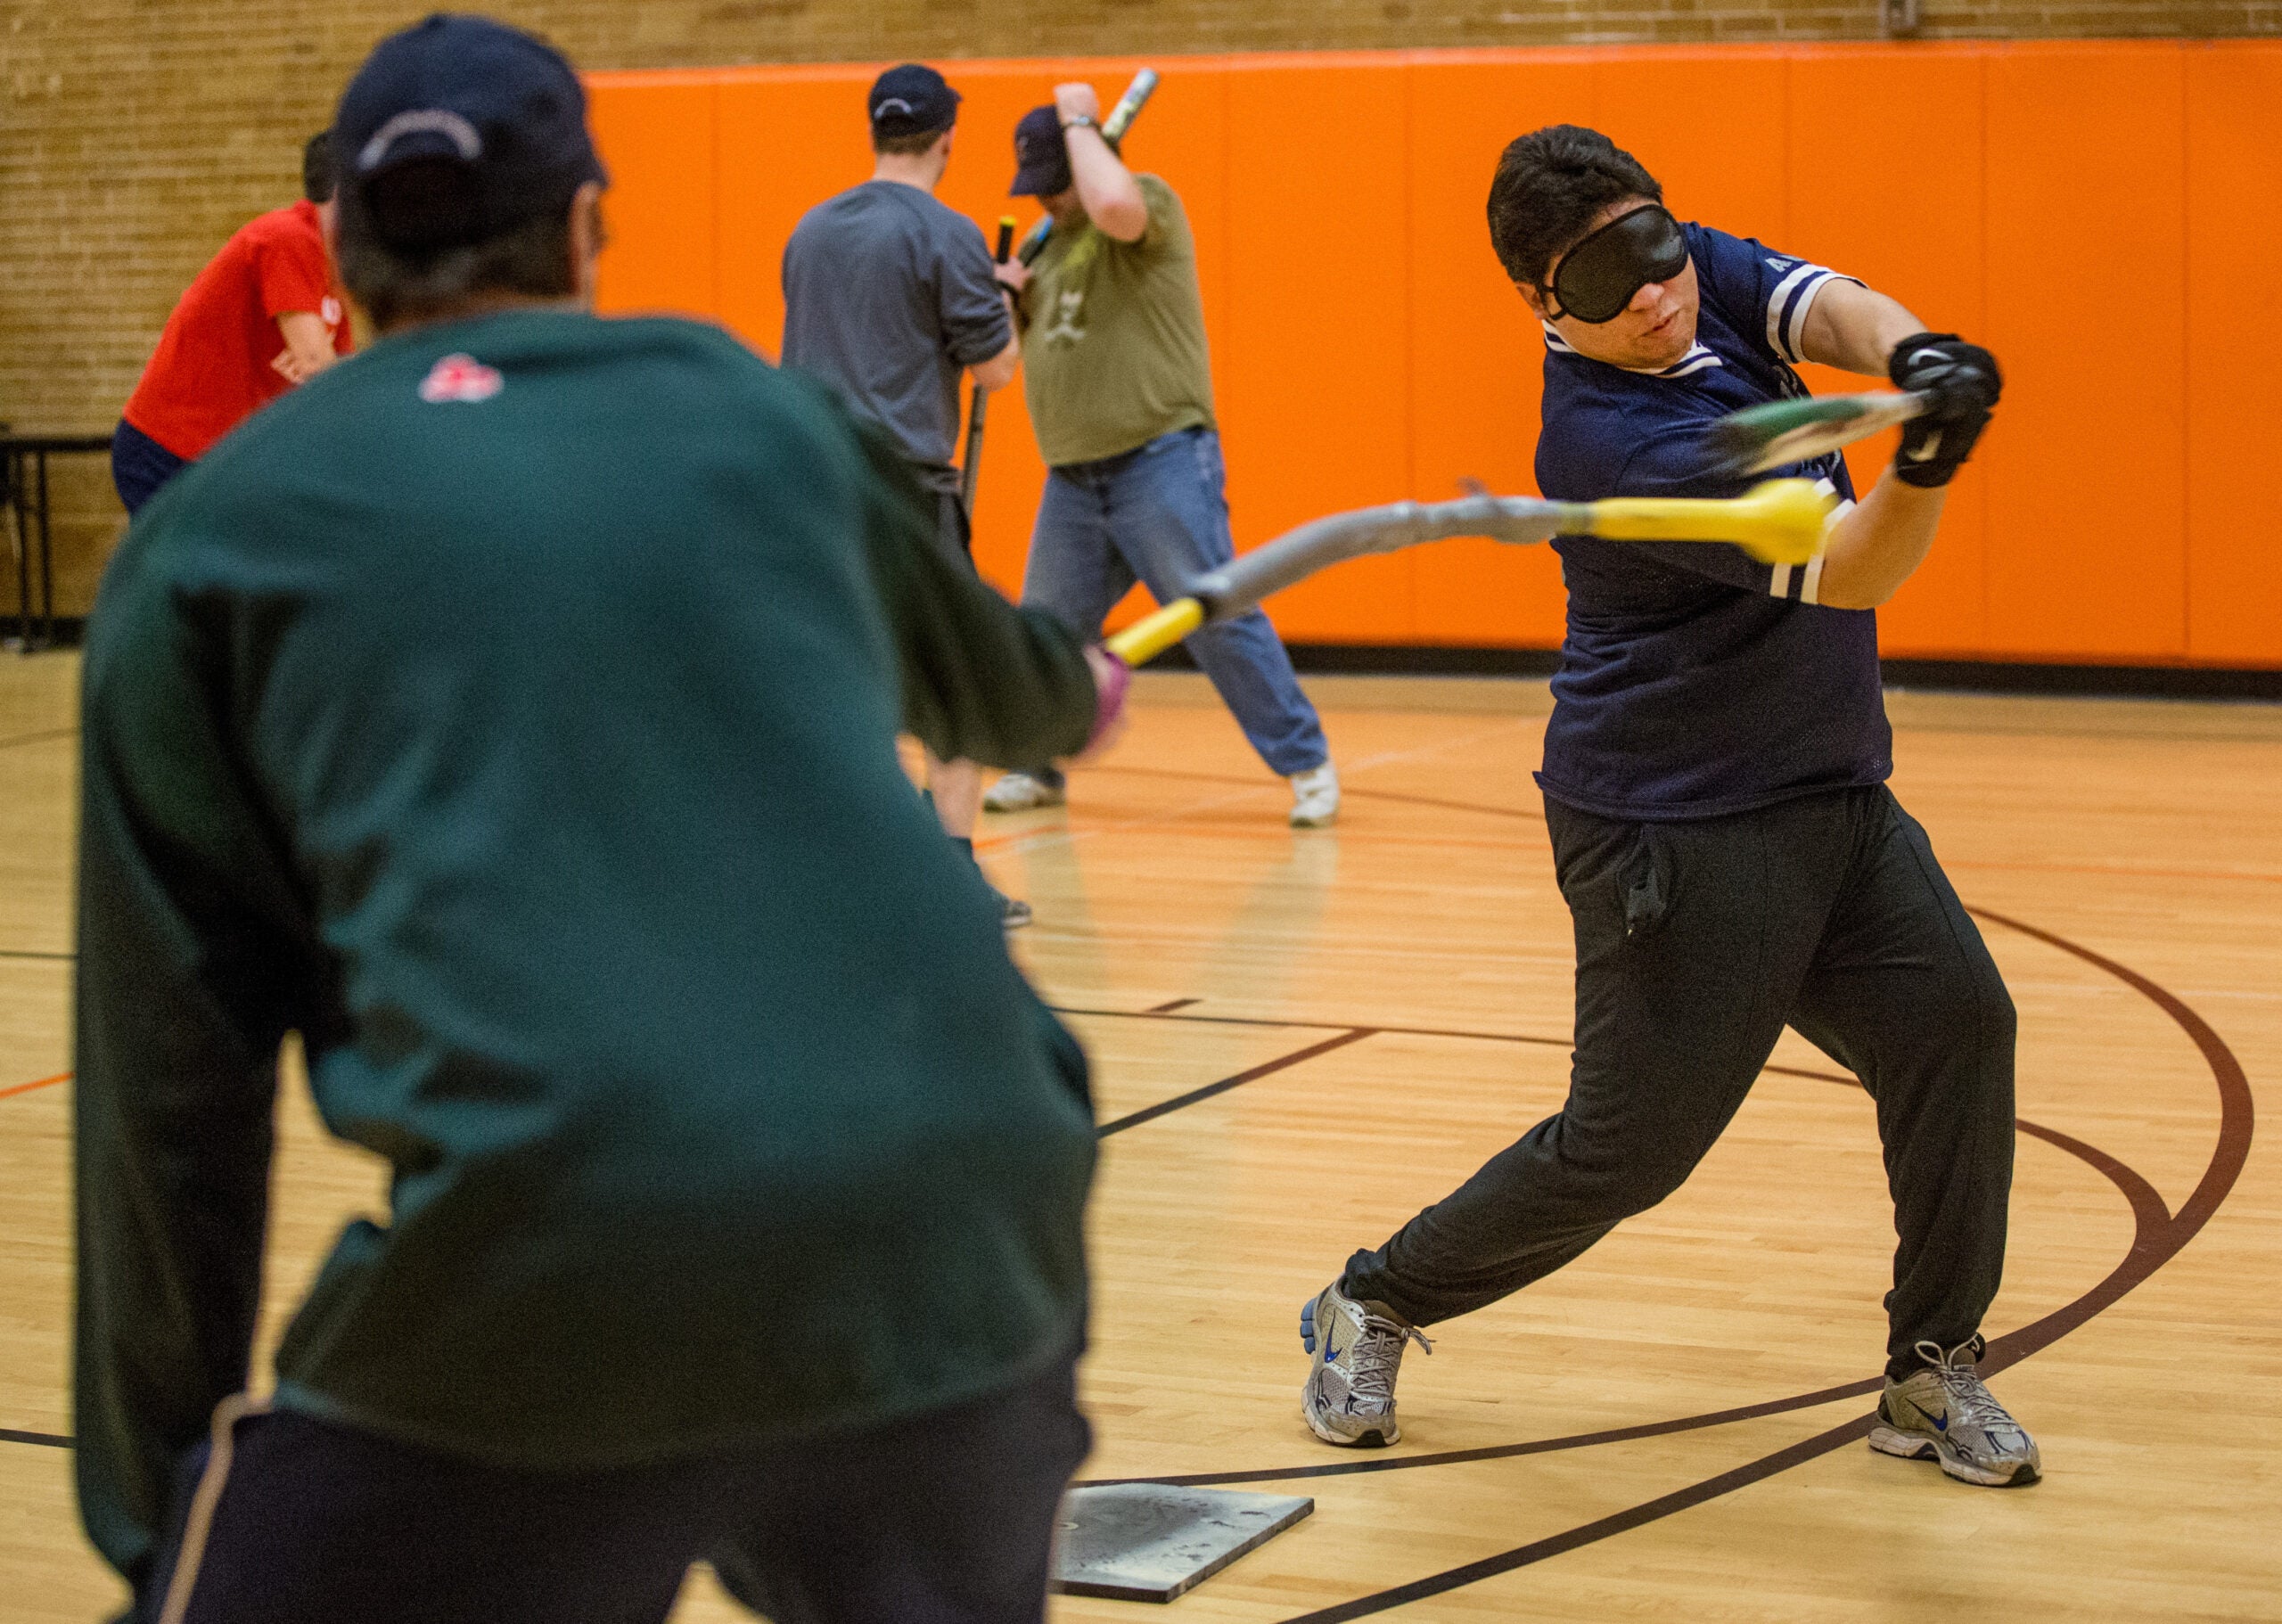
{"x": 1082, "y": 121}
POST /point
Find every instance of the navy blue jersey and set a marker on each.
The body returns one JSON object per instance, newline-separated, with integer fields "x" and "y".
{"x": 1695, "y": 681}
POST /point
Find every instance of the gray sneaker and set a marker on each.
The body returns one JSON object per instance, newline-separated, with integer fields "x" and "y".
{"x": 1023, "y": 792}
{"x": 1349, "y": 1399}
{"x": 1944, "y": 1414}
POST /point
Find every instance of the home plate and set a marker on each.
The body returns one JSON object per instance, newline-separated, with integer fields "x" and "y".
{"x": 1149, "y": 1542}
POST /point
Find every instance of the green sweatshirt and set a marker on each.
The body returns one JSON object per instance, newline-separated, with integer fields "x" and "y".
{"x": 532, "y": 752}
{"x": 1113, "y": 351}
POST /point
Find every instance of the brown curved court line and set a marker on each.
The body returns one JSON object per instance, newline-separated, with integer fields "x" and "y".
{"x": 2158, "y": 1236}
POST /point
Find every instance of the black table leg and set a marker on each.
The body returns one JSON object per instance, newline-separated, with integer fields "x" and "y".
{"x": 46, "y": 561}
{"x": 23, "y": 538}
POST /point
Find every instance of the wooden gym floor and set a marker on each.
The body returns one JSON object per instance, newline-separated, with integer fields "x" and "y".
{"x": 1301, "y": 1037}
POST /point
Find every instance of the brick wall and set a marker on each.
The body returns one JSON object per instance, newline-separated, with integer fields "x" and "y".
{"x": 138, "y": 134}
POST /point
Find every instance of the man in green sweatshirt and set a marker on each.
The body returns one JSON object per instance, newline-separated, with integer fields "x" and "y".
{"x": 510, "y": 712}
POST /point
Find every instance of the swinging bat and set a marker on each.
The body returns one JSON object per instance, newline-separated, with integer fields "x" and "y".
{"x": 1113, "y": 127}
{"x": 1784, "y": 431}
{"x": 1780, "y": 523}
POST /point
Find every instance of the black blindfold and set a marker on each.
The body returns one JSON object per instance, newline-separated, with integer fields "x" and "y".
{"x": 1597, "y": 278}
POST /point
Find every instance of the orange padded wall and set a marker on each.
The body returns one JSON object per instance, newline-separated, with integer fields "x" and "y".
{"x": 2087, "y": 276}
{"x": 2234, "y": 413}
{"x": 2103, "y": 215}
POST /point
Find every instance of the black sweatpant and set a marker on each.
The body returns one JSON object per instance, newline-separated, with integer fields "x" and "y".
{"x": 1696, "y": 942}
{"x": 947, "y": 1518}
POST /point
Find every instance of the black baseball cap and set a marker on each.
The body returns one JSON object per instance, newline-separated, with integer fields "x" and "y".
{"x": 497, "y": 115}
{"x": 1041, "y": 156}
{"x": 913, "y": 99}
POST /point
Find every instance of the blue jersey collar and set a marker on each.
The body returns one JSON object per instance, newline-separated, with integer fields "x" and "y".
{"x": 1697, "y": 359}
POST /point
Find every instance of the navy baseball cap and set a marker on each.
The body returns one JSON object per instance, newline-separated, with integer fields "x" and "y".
{"x": 499, "y": 112}
{"x": 1041, "y": 156}
{"x": 913, "y": 99}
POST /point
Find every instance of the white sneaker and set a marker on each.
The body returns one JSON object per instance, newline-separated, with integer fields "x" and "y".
{"x": 1942, "y": 1413}
{"x": 1022, "y": 792}
{"x": 1315, "y": 798}
{"x": 1349, "y": 1397}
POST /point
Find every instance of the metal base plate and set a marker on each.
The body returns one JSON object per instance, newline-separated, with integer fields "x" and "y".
{"x": 1149, "y": 1542}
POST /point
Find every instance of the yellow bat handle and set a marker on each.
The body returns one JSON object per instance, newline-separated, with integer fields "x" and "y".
{"x": 1150, "y": 636}
{"x": 1779, "y": 523}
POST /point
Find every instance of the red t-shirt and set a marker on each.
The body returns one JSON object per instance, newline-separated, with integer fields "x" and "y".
{"x": 213, "y": 366}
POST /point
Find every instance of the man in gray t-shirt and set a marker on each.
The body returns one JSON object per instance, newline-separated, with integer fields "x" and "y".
{"x": 889, "y": 294}
{"x": 889, "y": 297}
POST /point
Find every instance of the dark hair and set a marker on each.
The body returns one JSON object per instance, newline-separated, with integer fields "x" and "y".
{"x": 906, "y": 147}
{"x": 316, "y": 167}
{"x": 1549, "y": 186}
{"x": 395, "y": 282}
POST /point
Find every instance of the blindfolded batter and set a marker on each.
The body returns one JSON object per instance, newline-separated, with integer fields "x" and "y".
{"x": 1714, "y": 782}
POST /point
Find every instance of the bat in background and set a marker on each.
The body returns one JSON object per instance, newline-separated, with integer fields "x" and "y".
{"x": 1128, "y": 106}
{"x": 1113, "y": 127}
{"x": 971, "y": 470}
{"x": 1785, "y": 432}
{"x": 1779, "y": 523}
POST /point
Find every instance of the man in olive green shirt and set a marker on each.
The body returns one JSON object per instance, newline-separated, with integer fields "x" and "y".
{"x": 1120, "y": 396}
{"x": 510, "y": 712}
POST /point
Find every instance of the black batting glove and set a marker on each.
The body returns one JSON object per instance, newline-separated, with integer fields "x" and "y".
{"x": 1964, "y": 381}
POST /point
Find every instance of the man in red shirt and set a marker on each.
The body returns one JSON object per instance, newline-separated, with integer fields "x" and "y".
{"x": 261, "y": 317}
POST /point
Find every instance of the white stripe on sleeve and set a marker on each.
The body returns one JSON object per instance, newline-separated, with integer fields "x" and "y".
{"x": 1776, "y": 300}
{"x": 1794, "y": 324}
{"x": 1811, "y": 589}
{"x": 1778, "y": 584}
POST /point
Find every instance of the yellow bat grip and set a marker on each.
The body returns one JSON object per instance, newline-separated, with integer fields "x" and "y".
{"x": 1150, "y": 636}
{"x": 1779, "y": 523}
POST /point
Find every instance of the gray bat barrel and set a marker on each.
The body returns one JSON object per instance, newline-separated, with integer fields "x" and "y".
{"x": 1296, "y": 554}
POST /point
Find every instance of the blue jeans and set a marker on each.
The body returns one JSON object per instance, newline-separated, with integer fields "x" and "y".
{"x": 139, "y": 465}
{"x": 1158, "y": 514}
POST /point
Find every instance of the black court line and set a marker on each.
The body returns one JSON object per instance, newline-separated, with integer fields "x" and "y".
{"x": 39, "y": 738}
{"x": 1163, "y": 1012}
{"x": 29, "y": 953}
{"x": 1590, "y": 1533}
{"x": 1498, "y": 1452}
{"x": 9, "y": 1435}
{"x": 1167, "y": 1012}
{"x": 1150, "y": 1114}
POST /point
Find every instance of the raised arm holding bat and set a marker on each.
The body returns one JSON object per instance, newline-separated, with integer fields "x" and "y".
{"x": 1120, "y": 387}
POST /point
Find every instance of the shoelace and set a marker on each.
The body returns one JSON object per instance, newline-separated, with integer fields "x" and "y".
{"x": 1377, "y": 1355}
{"x": 1969, "y": 1395}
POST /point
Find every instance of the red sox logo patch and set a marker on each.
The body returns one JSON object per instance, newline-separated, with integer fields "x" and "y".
{"x": 460, "y": 377}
